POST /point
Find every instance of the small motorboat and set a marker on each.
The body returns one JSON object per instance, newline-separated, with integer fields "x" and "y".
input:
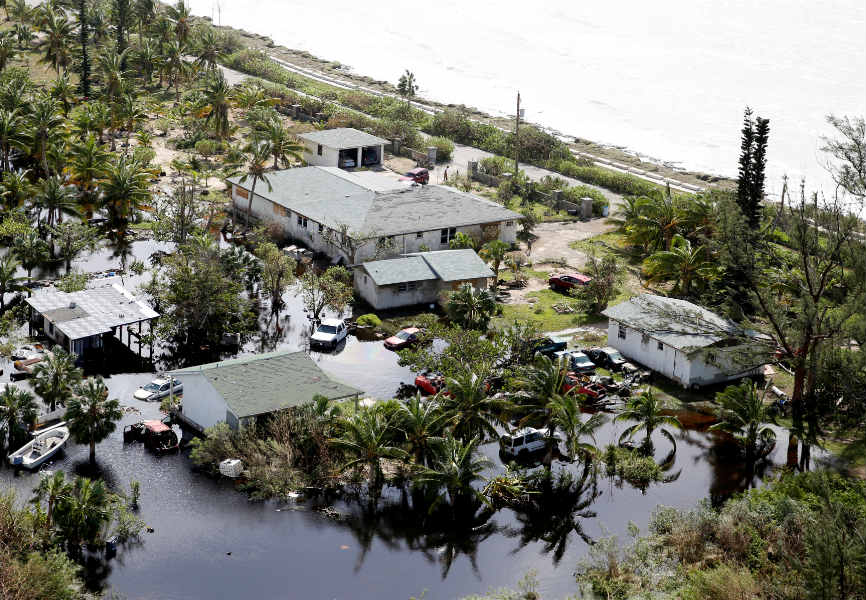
{"x": 44, "y": 445}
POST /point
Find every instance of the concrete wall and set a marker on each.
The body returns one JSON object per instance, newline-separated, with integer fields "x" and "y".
{"x": 201, "y": 402}
{"x": 329, "y": 156}
{"x": 268, "y": 212}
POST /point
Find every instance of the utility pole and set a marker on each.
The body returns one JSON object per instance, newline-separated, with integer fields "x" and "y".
{"x": 516, "y": 139}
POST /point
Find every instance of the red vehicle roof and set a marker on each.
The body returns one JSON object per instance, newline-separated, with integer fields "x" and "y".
{"x": 579, "y": 276}
{"x": 156, "y": 426}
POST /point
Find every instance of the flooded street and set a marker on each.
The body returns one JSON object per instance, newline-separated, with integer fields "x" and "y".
{"x": 210, "y": 541}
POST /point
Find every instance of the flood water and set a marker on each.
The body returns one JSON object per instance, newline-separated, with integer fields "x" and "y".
{"x": 210, "y": 541}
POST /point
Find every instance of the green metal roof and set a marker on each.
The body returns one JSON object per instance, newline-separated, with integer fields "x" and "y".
{"x": 456, "y": 265}
{"x": 677, "y": 323}
{"x": 264, "y": 383}
{"x": 399, "y": 270}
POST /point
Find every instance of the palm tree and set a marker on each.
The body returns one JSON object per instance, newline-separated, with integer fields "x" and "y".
{"x": 45, "y": 125}
{"x": 9, "y": 280}
{"x": 461, "y": 241}
{"x": 132, "y": 114}
{"x": 406, "y": 86}
{"x": 58, "y": 32}
{"x": 147, "y": 59}
{"x": 629, "y": 210}
{"x": 257, "y": 158}
{"x": 55, "y": 378}
{"x": 647, "y": 411}
{"x": 51, "y": 489}
{"x": 82, "y": 512}
{"x": 16, "y": 189}
{"x": 13, "y": 136}
{"x": 282, "y": 143}
{"x": 32, "y": 251}
{"x": 124, "y": 191}
{"x": 57, "y": 199}
{"x": 91, "y": 416}
{"x": 176, "y": 67}
{"x": 700, "y": 216}
{"x": 494, "y": 252}
{"x": 64, "y": 92}
{"x": 470, "y": 307}
{"x": 681, "y": 263}
{"x": 658, "y": 220}
{"x": 367, "y": 440}
{"x": 18, "y": 10}
{"x": 7, "y": 51}
{"x": 181, "y": 17}
{"x": 565, "y": 414}
{"x": 17, "y": 407}
{"x": 544, "y": 381}
{"x": 216, "y": 109}
{"x": 743, "y": 414}
{"x": 209, "y": 50}
{"x": 471, "y": 411}
{"x": 422, "y": 424}
{"x": 144, "y": 12}
{"x": 456, "y": 466}
{"x": 24, "y": 34}
{"x": 88, "y": 163}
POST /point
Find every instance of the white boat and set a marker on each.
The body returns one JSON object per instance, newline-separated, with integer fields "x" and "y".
{"x": 41, "y": 448}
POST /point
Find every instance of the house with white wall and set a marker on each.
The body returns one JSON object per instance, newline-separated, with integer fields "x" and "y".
{"x": 356, "y": 216}
{"x": 419, "y": 278}
{"x": 681, "y": 340}
{"x": 241, "y": 390}
{"x": 343, "y": 147}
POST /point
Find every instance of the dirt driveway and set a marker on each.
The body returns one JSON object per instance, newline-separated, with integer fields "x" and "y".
{"x": 554, "y": 239}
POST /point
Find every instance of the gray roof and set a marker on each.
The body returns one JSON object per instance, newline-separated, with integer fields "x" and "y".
{"x": 677, "y": 323}
{"x": 399, "y": 270}
{"x": 372, "y": 205}
{"x": 342, "y": 137}
{"x": 90, "y": 312}
{"x": 263, "y": 383}
{"x": 456, "y": 265}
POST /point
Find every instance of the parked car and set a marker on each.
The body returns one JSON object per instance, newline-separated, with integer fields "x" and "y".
{"x": 158, "y": 389}
{"x": 522, "y": 442}
{"x": 429, "y": 384}
{"x": 577, "y": 361}
{"x": 403, "y": 338}
{"x": 548, "y": 346}
{"x": 607, "y": 357}
{"x": 418, "y": 175}
{"x": 562, "y": 282}
{"x": 347, "y": 163}
{"x": 156, "y": 435}
{"x": 329, "y": 333}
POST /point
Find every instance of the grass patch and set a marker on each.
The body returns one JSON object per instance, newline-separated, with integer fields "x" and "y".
{"x": 541, "y": 311}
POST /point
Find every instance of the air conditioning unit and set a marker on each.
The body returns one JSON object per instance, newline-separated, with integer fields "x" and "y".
{"x": 231, "y": 467}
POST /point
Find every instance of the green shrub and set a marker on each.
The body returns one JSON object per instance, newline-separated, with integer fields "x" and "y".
{"x": 206, "y": 148}
{"x": 504, "y": 191}
{"x": 621, "y": 183}
{"x": 444, "y": 147}
{"x": 369, "y": 320}
{"x": 495, "y": 165}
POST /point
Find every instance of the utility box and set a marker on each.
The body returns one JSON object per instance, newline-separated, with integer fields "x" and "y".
{"x": 586, "y": 208}
{"x": 231, "y": 467}
{"x": 431, "y": 154}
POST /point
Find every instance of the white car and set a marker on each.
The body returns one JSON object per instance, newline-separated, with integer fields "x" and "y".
{"x": 158, "y": 389}
{"x": 523, "y": 442}
{"x": 577, "y": 361}
{"x": 329, "y": 333}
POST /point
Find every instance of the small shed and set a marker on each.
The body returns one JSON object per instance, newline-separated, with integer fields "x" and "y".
{"x": 419, "y": 278}
{"x": 79, "y": 321}
{"x": 343, "y": 147}
{"x": 241, "y": 390}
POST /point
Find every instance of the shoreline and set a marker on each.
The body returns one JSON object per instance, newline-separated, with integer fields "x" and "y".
{"x": 614, "y": 158}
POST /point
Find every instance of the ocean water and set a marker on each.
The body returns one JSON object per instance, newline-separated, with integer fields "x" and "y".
{"x": 667, "y": 80}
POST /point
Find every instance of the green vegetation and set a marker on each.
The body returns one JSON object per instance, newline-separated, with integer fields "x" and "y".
{"x": 369, "y": 320}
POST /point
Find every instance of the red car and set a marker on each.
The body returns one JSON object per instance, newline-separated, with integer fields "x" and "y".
{"x": 403, "y": 338}
{"x": 418, "y": 175}
{"x": 565, "y": 281}
{"x": 593, "y": 391}
{"x": 429, "y": 385}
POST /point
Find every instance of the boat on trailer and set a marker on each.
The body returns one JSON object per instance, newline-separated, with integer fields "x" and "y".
{"x": 44, "y": 445}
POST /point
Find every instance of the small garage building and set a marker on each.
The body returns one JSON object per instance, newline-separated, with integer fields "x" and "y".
{"x": 344, "y": 147}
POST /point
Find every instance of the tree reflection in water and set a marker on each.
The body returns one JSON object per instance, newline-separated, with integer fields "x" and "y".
{"x": 441, "y": 534}
{"x": 555, "y": 509}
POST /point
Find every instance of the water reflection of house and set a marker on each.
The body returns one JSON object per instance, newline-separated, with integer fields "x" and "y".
{"x": 81, "y": 321}
{"x": 683, "y": 341}
{"x": 419, "y": 278}
{"x": 343, "y": 147}
{"x": 356, "y": 216}
{"x": 241, "y": 390}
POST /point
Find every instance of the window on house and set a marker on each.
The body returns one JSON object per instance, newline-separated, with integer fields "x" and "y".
{"x": 412, "y": 285}
{"x": 446, "y": 235}
{"x": 660, "y": 346}
{"x": 302, "y": 221}
{"x": 319, "y": 150}
{"x": 711, "y": 358}
{"x": 644, "y": 339}
{"x": 321, "y": 228}
{"x": 401, "y": 287}
{"x": 509, "y": 223}
{"x": 419, "y": 235}
{"x": 621, "y": 333}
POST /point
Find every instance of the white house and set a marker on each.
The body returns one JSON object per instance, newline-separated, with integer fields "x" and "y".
{"x": 240, "y": 390}
{"x": 683, "y": 341}
{"x": 419, "y": 278}
{"x": 343, "y": 147}
{"x": 380, "y": 215}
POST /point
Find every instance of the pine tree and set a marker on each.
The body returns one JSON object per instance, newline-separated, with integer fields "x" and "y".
{"x": 747, "y": 150}
{"x": 84, "y": 85}
{"x": 753, "y": 163}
